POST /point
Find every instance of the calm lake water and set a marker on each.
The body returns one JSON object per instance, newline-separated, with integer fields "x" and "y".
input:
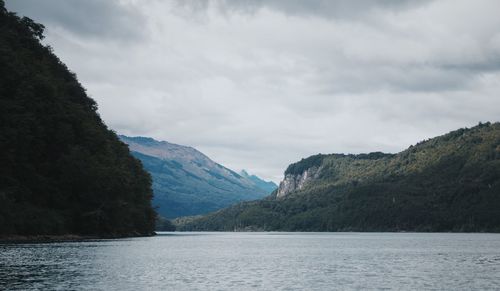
{"x": 264, "y": 261}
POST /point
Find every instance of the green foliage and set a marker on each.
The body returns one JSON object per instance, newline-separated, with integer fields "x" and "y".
{"x": 448, "y": 183}
{"x": 304, "y": 164}
{"x": 163, "y": 224}
{"x": 61, "y": 170}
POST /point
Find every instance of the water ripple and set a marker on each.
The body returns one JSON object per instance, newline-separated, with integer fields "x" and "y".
{"x": 258, "y": 261}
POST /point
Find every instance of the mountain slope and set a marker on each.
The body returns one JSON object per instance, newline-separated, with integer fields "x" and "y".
{"x": 186, "y": 182}
{"x": 267, "y": 186}
{"x": 62, "y": 171}
{"x": 448, "y": 183}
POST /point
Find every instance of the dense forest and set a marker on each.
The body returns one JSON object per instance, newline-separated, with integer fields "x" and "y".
{"x": 448, "y": 183}
{"x": 62, "y": 171}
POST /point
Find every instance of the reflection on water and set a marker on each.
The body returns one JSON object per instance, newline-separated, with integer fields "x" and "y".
{"x": 267, "y": 261}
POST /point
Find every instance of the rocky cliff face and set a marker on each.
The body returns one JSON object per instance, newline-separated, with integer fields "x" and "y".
{"x": 295, "y": 182}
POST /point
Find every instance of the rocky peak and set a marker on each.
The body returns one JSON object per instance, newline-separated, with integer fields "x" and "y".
{"x": 295, "y": 182}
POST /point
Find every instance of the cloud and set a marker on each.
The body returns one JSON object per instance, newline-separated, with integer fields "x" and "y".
{"x": 85, "y": 18}
{"x": 343, "y": 9}
{"x": 261, "y": 84}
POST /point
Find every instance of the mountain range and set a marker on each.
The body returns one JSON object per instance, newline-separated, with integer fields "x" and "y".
{"x": 448, "y": 183}
{"x": 268, "y": 186}
{"x": 187, "y": 182}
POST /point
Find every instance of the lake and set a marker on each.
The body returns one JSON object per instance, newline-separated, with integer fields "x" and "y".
{"x": 263, "y": 261}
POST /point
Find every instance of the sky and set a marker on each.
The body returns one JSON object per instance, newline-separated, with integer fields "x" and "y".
{"x": 258, "y": 85}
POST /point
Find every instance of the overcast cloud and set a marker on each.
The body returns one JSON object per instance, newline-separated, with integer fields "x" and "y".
{"x": 260, "y": 84}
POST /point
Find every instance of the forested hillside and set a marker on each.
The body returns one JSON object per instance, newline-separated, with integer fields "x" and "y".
{"x": 448, "y": 183}
{"x": 62, "y": 171}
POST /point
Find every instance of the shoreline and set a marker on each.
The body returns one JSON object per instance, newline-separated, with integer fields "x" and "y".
{"x": 47, "y": 238}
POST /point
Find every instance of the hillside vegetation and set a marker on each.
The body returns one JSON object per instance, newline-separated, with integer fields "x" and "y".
{"x": 448, "y": 183}
{"x": 62, "y": 171}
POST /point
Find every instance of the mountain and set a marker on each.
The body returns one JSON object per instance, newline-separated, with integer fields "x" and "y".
{"x": 448, "y": 183}
{"x": 186, "y": 182}
{"x": 62, "y": 171}
{"x": 268, "y": 186}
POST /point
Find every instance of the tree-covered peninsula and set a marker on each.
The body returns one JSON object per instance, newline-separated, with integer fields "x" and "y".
{"x": 447, "y": 183}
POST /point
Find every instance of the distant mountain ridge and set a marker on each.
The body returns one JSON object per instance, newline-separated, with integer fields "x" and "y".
{"x": 187, "y": 182}
{"x": 447, "y": 183}
{"x": 268, "y": 186}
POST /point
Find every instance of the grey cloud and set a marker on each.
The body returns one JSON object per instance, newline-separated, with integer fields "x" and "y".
{"x": 492, "y": 64}
{"x": 342, "y": 9}
{"x": 416, "y": 78}
{"x": 254, "y": 88}
{"x": 88, "y": 18}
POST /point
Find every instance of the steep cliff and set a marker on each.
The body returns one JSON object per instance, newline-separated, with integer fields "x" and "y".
{"x": 296, "y": 182}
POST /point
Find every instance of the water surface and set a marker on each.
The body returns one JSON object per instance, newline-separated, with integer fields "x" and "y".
{"x": 264, "y": 261}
